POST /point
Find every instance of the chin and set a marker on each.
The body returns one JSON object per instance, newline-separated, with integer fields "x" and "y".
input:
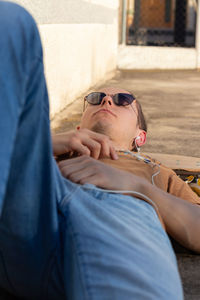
{"x": 102, "y": 127}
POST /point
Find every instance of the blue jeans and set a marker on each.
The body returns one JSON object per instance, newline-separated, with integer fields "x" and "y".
{"x": 60, "y": 240}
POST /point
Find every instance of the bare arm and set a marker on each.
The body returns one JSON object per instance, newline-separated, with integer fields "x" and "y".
{"x": 181, "y": 218}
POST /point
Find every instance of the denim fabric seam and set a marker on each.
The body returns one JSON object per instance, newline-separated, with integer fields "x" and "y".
{"x": 83, "y": 273}
{"x": 66, "y": 199}
{"x": 48, "y": 269}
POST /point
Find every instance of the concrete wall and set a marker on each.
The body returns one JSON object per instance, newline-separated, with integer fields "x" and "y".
{"x": 80, "y": 40}
{"x": 142, "y": 57}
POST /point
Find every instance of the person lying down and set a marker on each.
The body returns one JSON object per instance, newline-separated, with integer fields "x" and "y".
{"x": 103, "y": 154}
{"x": 94, "y": 226}
{"x": 112, "y": 130}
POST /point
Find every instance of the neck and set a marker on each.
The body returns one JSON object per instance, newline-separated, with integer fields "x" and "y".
{"x": 116, "y": 138}
{"x": 120, "y": 146}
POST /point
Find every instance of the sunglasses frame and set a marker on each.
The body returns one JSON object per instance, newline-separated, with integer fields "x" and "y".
{"x": 112, "y": 96}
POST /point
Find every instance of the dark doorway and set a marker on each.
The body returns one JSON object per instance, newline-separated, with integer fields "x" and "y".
{"x": 161, "y": 23}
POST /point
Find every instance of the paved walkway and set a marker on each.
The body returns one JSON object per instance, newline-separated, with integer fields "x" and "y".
{"x": 171, "y": 103}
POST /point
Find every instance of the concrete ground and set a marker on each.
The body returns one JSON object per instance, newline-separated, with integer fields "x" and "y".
{"x": 171, "y": 104}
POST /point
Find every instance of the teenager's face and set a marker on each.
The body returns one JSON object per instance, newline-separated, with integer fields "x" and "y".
{"x": 118, "y": 122}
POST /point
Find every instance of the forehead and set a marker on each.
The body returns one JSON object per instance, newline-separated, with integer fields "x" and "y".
{"x": 113, "y": 90}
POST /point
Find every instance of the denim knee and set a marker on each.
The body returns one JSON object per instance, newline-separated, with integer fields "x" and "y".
{"x": 14, "y": 14}
{"x": 19, "y": 34}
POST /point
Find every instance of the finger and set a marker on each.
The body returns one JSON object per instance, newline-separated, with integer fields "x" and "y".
{"x": 78, "y": 169}
{"x": 93, "y": 146}
{"x": 105, "y": 147}
{"x": 74, "y": 164}
{"x": 80, "y": 175}
{"x": 80, "y": 148}
{"x": 71, "y": 165}
{"x": 101, "y": 149}
{"x": 67, "y": 172}
{"x": 113, "y": 153}
{"x": 95, "y": 179}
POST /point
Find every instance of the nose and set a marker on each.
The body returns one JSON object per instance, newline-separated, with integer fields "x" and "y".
{"x": 107, "y": 100}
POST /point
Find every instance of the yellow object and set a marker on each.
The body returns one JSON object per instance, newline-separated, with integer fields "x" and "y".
{"x": 189, "y": 179}
{"x": 196, "y": 189}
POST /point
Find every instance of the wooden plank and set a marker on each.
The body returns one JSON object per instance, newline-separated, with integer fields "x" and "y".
{"x": 177, "y": 161}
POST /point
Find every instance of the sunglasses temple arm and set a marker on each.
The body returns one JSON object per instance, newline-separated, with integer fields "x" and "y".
{"x": 84, "y": 105}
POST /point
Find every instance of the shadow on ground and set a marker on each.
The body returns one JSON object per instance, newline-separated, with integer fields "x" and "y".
{"x": 171, "y": 103}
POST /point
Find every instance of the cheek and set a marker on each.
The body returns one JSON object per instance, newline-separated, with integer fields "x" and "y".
{"x": 85, "y": 120}
{"x": 128, "y": 119}
{"x": 128, "y": 124}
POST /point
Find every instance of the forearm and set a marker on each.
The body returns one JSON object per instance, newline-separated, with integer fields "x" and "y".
{"x": 181, "y": 218}
{"x": 56, "y": 145}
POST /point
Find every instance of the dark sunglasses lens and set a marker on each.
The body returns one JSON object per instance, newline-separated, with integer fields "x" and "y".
{"x": 95, "y": 98}
{"x": 123, "y": 99}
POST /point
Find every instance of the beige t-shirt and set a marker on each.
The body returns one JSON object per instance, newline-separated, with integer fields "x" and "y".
{"x": 166, "y": 180}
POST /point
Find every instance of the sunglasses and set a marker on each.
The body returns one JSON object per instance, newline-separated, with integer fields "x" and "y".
{"x": 120, "y": 99}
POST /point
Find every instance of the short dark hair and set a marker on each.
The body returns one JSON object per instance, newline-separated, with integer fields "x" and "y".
{"x": 141, "y": 122}
{"x": 141, "y": 119}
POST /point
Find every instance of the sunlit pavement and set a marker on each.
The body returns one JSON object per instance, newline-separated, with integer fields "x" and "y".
{"x": 171, "y": 103}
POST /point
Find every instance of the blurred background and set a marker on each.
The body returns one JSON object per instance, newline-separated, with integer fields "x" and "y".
{"x": 169, "y": 23}
{"x": 86, "y": 41}
{"x": 149, "y": 47}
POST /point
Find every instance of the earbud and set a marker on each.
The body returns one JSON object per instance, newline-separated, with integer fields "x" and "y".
{"x": 136, "y": 145}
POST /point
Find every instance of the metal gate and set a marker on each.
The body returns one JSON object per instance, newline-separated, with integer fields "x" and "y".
{"x": 161, "y": 23}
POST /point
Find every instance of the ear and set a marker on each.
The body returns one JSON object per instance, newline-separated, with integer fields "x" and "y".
{"x": 141, "y": 138}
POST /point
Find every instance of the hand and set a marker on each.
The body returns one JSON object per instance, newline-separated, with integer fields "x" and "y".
{"x": 85, "y": 169}
{"x": 84, "y": 142}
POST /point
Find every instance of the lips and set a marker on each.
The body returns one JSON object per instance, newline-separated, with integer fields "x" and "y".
{"x": 105, "y": 111}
